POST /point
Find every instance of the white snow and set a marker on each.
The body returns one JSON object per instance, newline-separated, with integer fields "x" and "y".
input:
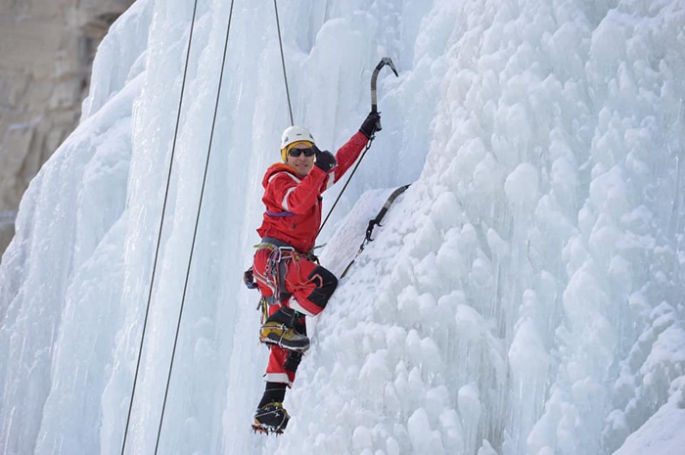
{"x": 524, "y": 295}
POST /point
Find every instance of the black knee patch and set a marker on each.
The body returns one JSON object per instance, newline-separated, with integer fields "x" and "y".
{"x": 326, "y": 283}
{"x": 285, "y": 316}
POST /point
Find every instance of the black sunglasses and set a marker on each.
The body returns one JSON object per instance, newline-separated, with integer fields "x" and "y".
{"x": 297, "y": 152}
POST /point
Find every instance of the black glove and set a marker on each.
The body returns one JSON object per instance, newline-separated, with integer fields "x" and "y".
{"x": 248, "y": 279}
{"x": 371, "y": 124}
{"x": 324, "y": 160}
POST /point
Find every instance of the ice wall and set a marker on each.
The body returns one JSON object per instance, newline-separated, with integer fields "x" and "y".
{"x": 525, "y": 296}
{"x": 534, "y": 293}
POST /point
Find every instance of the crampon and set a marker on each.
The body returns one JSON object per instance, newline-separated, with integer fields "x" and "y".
{"x": 270, "y": 418}
{"x": 265, "y": 429}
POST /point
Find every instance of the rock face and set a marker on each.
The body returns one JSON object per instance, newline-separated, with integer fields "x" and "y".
{"x": 46, "y": 53}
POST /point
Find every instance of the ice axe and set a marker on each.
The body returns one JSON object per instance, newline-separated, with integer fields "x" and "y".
{"x": 374, "y": 109}
{"x": 374, "y": 78}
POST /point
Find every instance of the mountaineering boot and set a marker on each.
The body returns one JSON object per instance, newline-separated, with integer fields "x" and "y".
{"x": 279, "y": 334}
{"x": 278, "y": 330}
{"x": 271, "y": 418}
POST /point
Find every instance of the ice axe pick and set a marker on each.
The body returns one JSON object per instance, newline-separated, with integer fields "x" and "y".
{"x": 374, "y": 78}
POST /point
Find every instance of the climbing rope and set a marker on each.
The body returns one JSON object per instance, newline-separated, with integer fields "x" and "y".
{"x": 197, "y": 222}
{"x": 161, "y": 226}
{"x": 285, "y": 75}
{"x": 368, "y": 146}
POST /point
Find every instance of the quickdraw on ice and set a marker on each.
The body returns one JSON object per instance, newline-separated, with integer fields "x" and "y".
{"x": 376, "y": 222}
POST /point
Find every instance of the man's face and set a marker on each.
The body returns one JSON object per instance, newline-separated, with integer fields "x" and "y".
{"x": 302, "y": 163}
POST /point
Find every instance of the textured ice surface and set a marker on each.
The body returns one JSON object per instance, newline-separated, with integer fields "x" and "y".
{"x": 524, "y": 296}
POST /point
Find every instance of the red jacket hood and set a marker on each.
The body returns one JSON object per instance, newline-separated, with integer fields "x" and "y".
{"x": 276, "y": 168}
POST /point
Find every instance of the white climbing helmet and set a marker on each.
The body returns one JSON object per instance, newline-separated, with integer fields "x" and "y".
{"x": 292, "y": 135}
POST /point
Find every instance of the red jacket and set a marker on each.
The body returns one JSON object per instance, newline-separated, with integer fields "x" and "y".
{"x": 293, "y": 203}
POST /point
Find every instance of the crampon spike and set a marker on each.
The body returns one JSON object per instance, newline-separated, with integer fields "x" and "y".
{"x": 261, "y": 429}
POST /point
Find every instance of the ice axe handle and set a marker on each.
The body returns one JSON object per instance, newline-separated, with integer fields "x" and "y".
{"x": 374, "y": 78}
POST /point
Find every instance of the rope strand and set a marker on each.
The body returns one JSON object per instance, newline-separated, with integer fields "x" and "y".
{"x": 285, "y": 75}
{"x": 368, "y": 146}
{"x": 197, "y": 222}
{"x": 161, "y": 226}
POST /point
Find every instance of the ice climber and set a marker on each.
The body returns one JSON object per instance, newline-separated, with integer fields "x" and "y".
{"x": 293, "y": 285}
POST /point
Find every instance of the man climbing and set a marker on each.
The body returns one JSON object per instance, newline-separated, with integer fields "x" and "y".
{"x": 291, "y": 283}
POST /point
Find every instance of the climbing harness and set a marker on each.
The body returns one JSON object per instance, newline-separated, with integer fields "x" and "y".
{"x": 376, "y": 222}
{"x": 280, "y": 256}
{"x": 275, "y": 270}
